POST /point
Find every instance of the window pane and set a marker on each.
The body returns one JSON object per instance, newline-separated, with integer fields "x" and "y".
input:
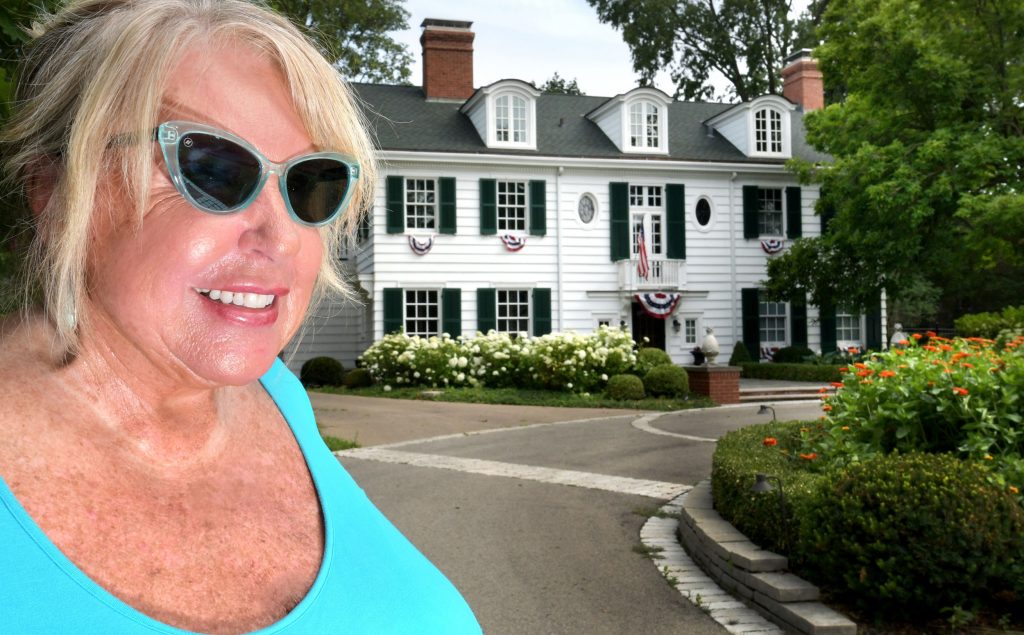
{"x": 420, "y": 205}
{"x": 769, "y": 218}
{"x": 422, "y": 312}
{"x": 511, "y": 206}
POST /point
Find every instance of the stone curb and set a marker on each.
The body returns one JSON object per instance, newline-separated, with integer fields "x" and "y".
{"x": 754, "y": 574}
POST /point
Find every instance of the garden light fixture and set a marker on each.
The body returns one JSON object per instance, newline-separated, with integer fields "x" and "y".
{"x": 763, "y": 410}
{"x": 763, "y": 485}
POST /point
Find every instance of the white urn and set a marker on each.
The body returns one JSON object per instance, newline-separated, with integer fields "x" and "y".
{"x": 710, "y": 346}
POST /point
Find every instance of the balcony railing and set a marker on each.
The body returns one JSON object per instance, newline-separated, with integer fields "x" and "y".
{"x": 663, "y": 275}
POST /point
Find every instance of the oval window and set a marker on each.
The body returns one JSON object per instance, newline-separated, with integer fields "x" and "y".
{"x": 587, "y": 209}
{"x": 703, "y": 212}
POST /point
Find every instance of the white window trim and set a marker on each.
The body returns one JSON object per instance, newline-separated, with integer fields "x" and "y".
{"x": 526, "y": 207}
{"x": 683, "y": 317}
{"x": 693, "y": 214}
{"x": 597, "y": 211}
{"x": 529, "y": 309}
{"x": 846, "y": 344}
{"x": 786, "y": 328}
{"x": 405, "y": 305}
{"x": 785, "y": 216}
{"x": 437, "y": 205}
{"x": 663, "y": 124}
{"x": 531, "y": 119}
{"x": 785, "y": 115}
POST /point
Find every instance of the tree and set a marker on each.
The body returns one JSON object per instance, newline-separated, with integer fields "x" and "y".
{"x": 354, "y": 33}
{"x": 746, "y": 41}
{"x": 927, "y": 178}
{"x": 556, "y": 84}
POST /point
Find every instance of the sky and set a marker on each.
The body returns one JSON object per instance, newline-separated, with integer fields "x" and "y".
{"x": 531, "y": 40}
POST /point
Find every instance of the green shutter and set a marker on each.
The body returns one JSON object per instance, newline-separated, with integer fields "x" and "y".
{"x": 486, "y": 310}
{"x": 794, "y": 216}
{"x": 447, "y": 220}
{"x": 873, "y": 324}
{"x": 751, "y": 321}
{"x": 798, "y": 332}
{"x": 396, "y": 204}
{"x": 751, "y": 208}
{"x": 538, "y": 208}
{"x": 488, "y": 207}
{"x": 675, "y": 221}
{"x": 619, "y": 197}
{"x": 541, "y": 312}
{"x": 827, "y": 318}
{"x": 393, "y": 305}
{"x": 451, "y": 312}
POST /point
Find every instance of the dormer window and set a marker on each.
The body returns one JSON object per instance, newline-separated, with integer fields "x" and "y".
{"x": 644, "y": 125}
{"x": 768, "y": 131}
{"x": 510, "y": 119}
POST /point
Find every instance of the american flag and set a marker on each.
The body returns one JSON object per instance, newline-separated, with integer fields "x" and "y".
{"x": 643, "y": 266}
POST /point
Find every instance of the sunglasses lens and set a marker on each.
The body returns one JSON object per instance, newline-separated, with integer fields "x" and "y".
{"x": 218, "y": 174}
{"x": 316, "y": 189}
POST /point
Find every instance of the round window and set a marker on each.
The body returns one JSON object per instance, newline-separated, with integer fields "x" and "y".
{"x": 587, "y": 209}
{"x": 703, "y": 212}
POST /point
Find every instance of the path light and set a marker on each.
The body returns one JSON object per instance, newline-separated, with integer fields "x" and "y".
{"x": 763, "y": 485}
{"x": 763, "y": 410}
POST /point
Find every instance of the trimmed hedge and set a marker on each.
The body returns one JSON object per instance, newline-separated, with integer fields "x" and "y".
{"x": 625, "y": 388}
{"x": 792, "y": 355}
{"x": 740, "y": 354}
{"x": 990, "y": 325}
{"x": 667, "y": 380}
{"x": 357, "y": 378}
{"x": 322, "y": 371}
{"x": 792, "y": 372}
{"x": 911, "y": 535}
{"x": 739, "y": 456}
{"x": 648, "y": 358}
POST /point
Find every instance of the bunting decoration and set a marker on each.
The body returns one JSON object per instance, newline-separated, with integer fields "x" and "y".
{"x": 420, "y": 246}
{"x": 513, "y": 242}
{"x": 658, "y": 305}
{"x": 772, "y": 245}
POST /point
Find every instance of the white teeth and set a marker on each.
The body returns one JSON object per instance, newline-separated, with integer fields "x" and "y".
{"x": 238, "y": 298}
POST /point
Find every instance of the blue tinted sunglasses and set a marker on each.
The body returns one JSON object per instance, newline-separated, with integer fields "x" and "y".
{"x": 221, "y": 173}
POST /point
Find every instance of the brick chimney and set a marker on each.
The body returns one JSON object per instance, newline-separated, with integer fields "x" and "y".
{"x": 802, "y": 81}
{"x": 447, "y": 59}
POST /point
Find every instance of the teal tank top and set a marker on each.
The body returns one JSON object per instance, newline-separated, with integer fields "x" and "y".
{"x": 371, "y": 580}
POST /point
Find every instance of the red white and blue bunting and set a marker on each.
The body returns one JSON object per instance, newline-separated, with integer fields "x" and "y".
{"x": 772, "y": 245}
{"x": 513, "y": 242}
{"x": 658, "y": 305}
{"x": 420, "y": 246}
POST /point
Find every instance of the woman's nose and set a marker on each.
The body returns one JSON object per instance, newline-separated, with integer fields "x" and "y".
{"x": 270, "y": 229}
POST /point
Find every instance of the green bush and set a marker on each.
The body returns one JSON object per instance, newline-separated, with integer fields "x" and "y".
{"x": 740, "y": 355}
{"x": 792, "y": 372}
{"x": 625, "y": 388}
{"x": 648, "y": 358}
{"x": 322, "y": 371}
{"x": 909, "y": 535}
{"x": 765, "y": 449}
{"x": 357, "y": 378}
{"x": 792, "y": 355}
{"x": 667, "y": 380}
{"x": 990, "y": 325}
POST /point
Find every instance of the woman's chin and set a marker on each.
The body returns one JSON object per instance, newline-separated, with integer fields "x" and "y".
{"x": 235, "y": 368}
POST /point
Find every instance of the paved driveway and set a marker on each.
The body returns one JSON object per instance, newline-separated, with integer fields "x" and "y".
{"x": 536, "y": 523}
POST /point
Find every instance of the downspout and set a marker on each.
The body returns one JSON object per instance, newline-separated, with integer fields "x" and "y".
{"x": 558, "y": 243}
{"x": 732, "y": 260}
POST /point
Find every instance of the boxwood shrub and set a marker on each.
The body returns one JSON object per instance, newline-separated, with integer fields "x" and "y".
{"x": 648, "y": 358}
{"x": 357, "y": 378}
{"x": 792, "y": 372}
{"x": 667, "y": 380}
{"x": 905, "y": 536}
{"x": 322, "y": 371}
{"x": 990, "y": 325}
{"x": 792, "y": 355}
{"x": 625, "y": 388}
{"x": 740, "y": 354}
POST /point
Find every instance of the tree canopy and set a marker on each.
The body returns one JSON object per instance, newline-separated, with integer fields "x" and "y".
{"x": 745, "y": 41}
{"x": 558, "y": 84}
{"x": 928, "y": 173}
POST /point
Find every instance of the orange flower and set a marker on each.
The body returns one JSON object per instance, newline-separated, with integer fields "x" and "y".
{"x": 845, "y": 428}
{"x": 809, "y": 457}
{"x": 854, "y": 350}
{"x": 904, "y": 342}
{"x": 827, "y": 408}
{"x": 867, "y": 372}
{"x": 837, "y": 384}
{"x": 1014, "y": 490}
{"x": 967, "y": 365}
{"x": 770, "y": 442}
{"x": 960, "y": 391}
{"x": 929, "y": 347}
{"x": 887, "y": 373}
{"x": 822, "y": 389}
{"x": 916, "y": 336}
{"x": 844, "y": 369}
{"x": 859, "y": 365}
{"x": 946, "y": 347}
{"x": 900, "y": 353}
{"x": 866, "y": 382}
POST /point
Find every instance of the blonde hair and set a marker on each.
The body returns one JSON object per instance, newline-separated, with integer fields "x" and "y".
{"x": 96, "y": 71}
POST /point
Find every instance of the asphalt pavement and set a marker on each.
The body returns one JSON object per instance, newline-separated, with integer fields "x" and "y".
{"x": 534, "y": 513}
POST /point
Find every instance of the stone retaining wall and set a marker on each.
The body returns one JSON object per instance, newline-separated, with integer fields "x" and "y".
{"x": 757, "y": 576}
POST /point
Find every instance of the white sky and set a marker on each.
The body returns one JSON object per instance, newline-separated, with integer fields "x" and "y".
{"x": 532, "y": 39}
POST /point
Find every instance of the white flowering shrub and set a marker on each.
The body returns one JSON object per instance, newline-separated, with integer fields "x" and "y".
{"x": 557, "y": 361}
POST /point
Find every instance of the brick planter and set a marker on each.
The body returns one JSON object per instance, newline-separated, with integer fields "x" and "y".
{"x": 721, "y": 383}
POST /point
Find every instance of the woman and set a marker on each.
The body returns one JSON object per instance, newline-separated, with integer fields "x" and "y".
{"x": 188, "y": 165}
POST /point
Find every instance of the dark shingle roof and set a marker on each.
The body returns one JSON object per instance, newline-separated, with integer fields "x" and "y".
{"x": 402, "y": 119}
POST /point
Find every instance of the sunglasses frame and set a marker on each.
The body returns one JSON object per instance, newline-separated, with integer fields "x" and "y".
{"x": 170, "y": 133}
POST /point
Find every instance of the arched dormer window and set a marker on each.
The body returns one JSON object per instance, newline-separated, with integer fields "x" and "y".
{"x": 636, "y": 122}
{"x": 644, "y": 125}
{"x": 767, "y": 131}
{"x": 510, "y": 119}
{"x": 505, "y": 114}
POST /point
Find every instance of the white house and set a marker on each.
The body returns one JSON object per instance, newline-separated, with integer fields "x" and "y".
{"x": 504, "y": 208}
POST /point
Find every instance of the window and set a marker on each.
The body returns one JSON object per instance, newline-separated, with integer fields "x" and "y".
{"x": 644, "y": 126}
{"x": 690, "y": 331}
{"x": 769, "y": 218}
{"x": 587, "y": 208}
{"x": 510, "y": 119}
{"x": 847, "y": 327}
{"x": 645, "y": 196}
{"x": 511, "y": 206}
{"x": 772, "y": 321}
{"x": 422, "y": 312}
{"x": 703, "y": 212}
{"x": 513, "y": 311}
{"x": 420, "y": 203}
{"x": 767, "y": 131}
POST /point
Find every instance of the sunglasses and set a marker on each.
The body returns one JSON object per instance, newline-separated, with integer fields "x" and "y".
{"x": 221, "y": 173}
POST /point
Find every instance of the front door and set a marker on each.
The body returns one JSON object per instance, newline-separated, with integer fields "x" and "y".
{"x": 646, "y": 326}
